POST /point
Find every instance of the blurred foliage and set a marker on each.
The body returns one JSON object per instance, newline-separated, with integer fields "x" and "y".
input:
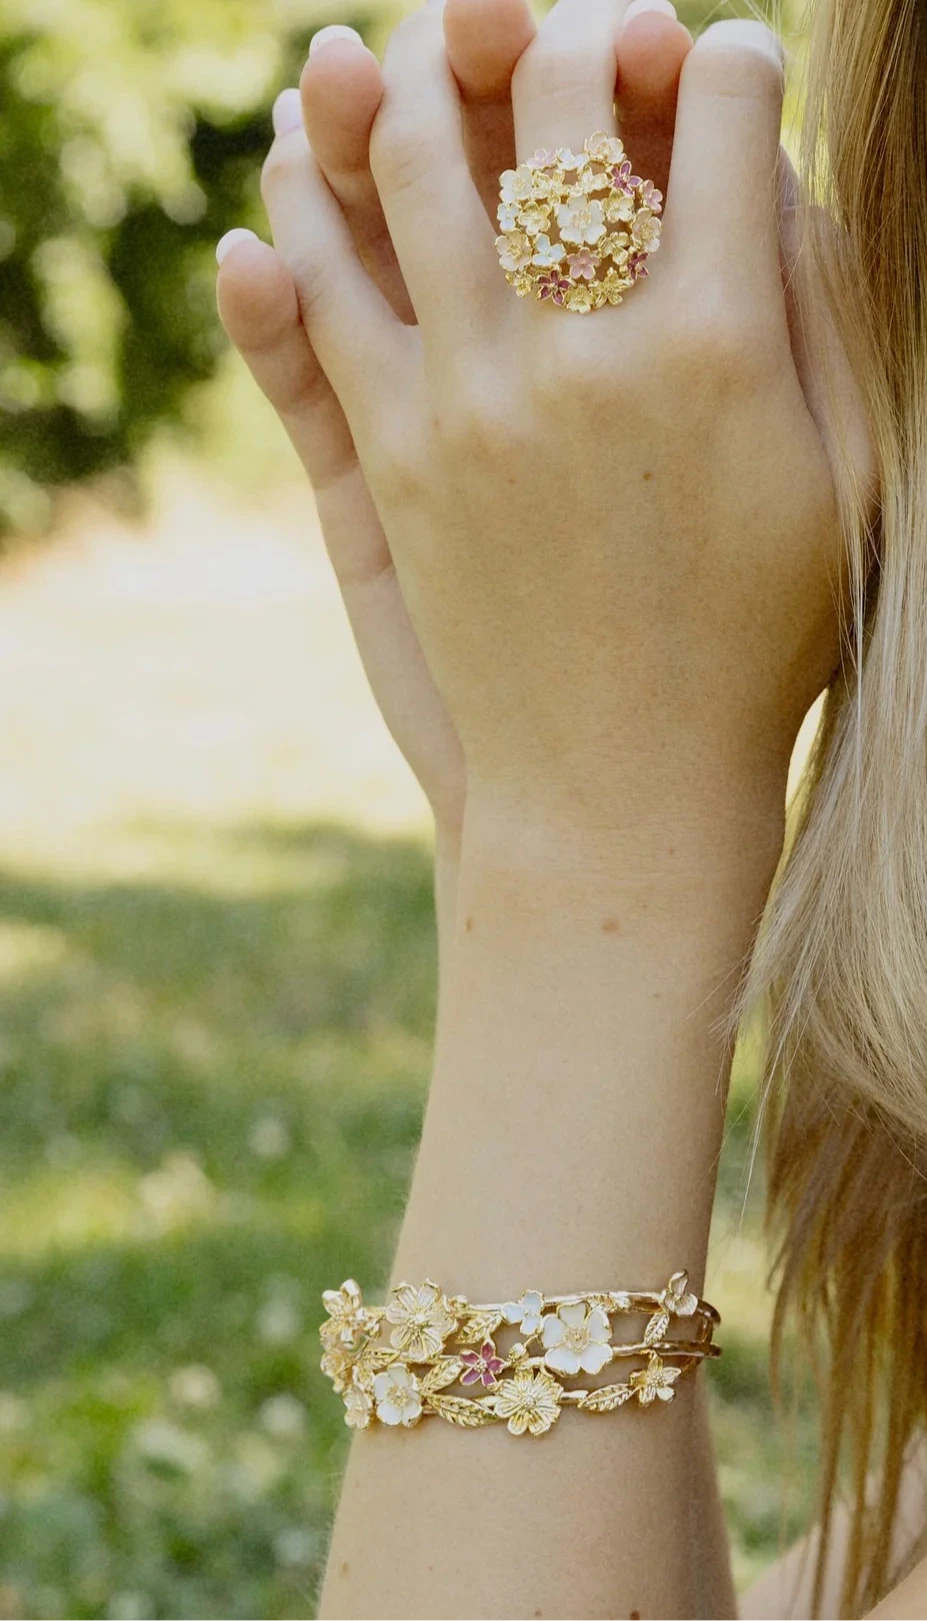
{"x": 132, "y": 134}
{"x": 212, "y": 1082}
{"x": 212, "y": 1094}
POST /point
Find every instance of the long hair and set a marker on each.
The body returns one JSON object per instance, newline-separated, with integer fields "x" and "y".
{"x": 840, "y": 966}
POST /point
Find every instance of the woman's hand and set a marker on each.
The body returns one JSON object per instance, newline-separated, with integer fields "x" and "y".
{"x": 616, "y": 537}
{"x": 618, "y": 544}
{"x": 341, "y": 92}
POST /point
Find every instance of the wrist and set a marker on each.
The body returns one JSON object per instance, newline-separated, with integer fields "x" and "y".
{"x": 713, "y": 853}
{"x": 446, "y": 880}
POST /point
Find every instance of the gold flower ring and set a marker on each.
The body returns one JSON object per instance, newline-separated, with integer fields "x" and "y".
{"x": 577, "y": 227}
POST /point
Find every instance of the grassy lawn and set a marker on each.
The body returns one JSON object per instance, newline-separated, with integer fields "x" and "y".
{"x": 216, "y": 993}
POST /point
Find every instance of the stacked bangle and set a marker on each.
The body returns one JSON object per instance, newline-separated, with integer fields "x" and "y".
{"x": 417, "y": 1355}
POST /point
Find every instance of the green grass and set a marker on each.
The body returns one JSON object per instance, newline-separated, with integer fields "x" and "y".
{"x": 211, "y": 1097}
{"x": 210, "y": 1104}
{"x": 216, "y": 998}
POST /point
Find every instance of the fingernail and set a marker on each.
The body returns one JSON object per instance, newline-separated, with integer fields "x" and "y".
{"x": 324, "y": 36}
{"x": 230, "y": 240}
{"x": 742, "y": 33}
{"x": 637, "y": 8}
{"x": 288, "y": 112}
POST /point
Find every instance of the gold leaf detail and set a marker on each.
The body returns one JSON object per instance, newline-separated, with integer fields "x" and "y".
{"x": 656, "y": 1328}
{"x": 606, "y": 1399}
{"x": 444, "y": 1372}
{"x": 469, "y": 1415}
{"x": 479, "y": 1327}
{"x": 372, "y": 1361}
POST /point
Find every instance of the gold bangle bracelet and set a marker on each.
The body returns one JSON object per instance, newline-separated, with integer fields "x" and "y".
{"x": 399, "y": 1363}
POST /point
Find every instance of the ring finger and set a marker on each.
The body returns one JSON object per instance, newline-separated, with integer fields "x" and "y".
{"x": 563, "y": 88}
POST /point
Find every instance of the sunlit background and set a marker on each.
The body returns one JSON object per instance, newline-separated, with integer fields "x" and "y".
{"x": 216, "y": 943}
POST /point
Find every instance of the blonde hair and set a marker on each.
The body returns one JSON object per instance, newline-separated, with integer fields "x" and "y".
{"x": 840, "y": 967}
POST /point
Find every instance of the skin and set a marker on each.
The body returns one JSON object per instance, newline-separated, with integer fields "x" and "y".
{"x": 341, "y": 91}
{"x": 608, "y": 801}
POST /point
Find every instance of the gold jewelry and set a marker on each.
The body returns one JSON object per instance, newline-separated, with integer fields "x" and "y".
{"x": 577, "y": 226}
{"x": 436, "y": 1341}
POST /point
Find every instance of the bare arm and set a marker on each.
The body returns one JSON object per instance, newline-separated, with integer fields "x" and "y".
{"x": 618, "y": 544}
{"x": 571, "y": 1141}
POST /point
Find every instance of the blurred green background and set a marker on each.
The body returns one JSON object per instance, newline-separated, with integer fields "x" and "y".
{"x": 216, "y": 932}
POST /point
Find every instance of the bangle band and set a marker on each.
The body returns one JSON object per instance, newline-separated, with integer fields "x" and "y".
{"x": 398, "y": 1363}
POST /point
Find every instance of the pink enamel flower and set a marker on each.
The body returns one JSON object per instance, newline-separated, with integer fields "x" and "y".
{"x": 544, "y": 158}
{"x": 650, "y": 197}
{"x": 482, "y": 1366}
{"x": 582, "y": 265}
{"x": 623, "y": 180}
{"x": 637, "y": 264}
{"x": 553, "y": 285}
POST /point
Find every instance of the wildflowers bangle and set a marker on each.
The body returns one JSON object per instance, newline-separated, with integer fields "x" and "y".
{"x": 416, "y": 1356}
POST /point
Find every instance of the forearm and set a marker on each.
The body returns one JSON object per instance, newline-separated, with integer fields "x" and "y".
{"x": 447, "y": 875}
{"x": 571, "y": 1142}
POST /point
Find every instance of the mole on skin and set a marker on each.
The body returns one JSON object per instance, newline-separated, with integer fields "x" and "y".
{"x": 610, "y": 926}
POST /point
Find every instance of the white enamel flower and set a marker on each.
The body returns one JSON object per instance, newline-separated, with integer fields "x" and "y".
{"x": 572, "y": 160}
{"x": 547, "y": 253}
{"x": 526, "y": 1312}
{"x": 507, "y": 215}
{"x": 398, "y": 1396}
{"x": 515, "y": 185}
{"x": 514, "y": 251}
{"x": 576, "y": 1340}
{"x": 581, "y": 219}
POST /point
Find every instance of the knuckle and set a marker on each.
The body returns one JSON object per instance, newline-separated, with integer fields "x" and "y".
{"x": 405, "y": 36}
{"x": 395, "y": 461}
{"x": 715, "y": 342}
{"x": 569, "y": 365}
{"x": 280, "y": 164}
{"x": 480, "y": 417}
{"x": 736, "y": 58}
{"x": 397, "y": 151}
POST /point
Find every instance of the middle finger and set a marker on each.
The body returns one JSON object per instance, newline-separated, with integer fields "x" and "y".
{"x": 563, "y": 88}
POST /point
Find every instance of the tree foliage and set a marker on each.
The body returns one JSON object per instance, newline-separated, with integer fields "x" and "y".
{"x": 132, "y": 134}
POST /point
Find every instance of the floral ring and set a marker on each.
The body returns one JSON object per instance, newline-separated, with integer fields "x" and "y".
{"x": 577, "y": 227}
